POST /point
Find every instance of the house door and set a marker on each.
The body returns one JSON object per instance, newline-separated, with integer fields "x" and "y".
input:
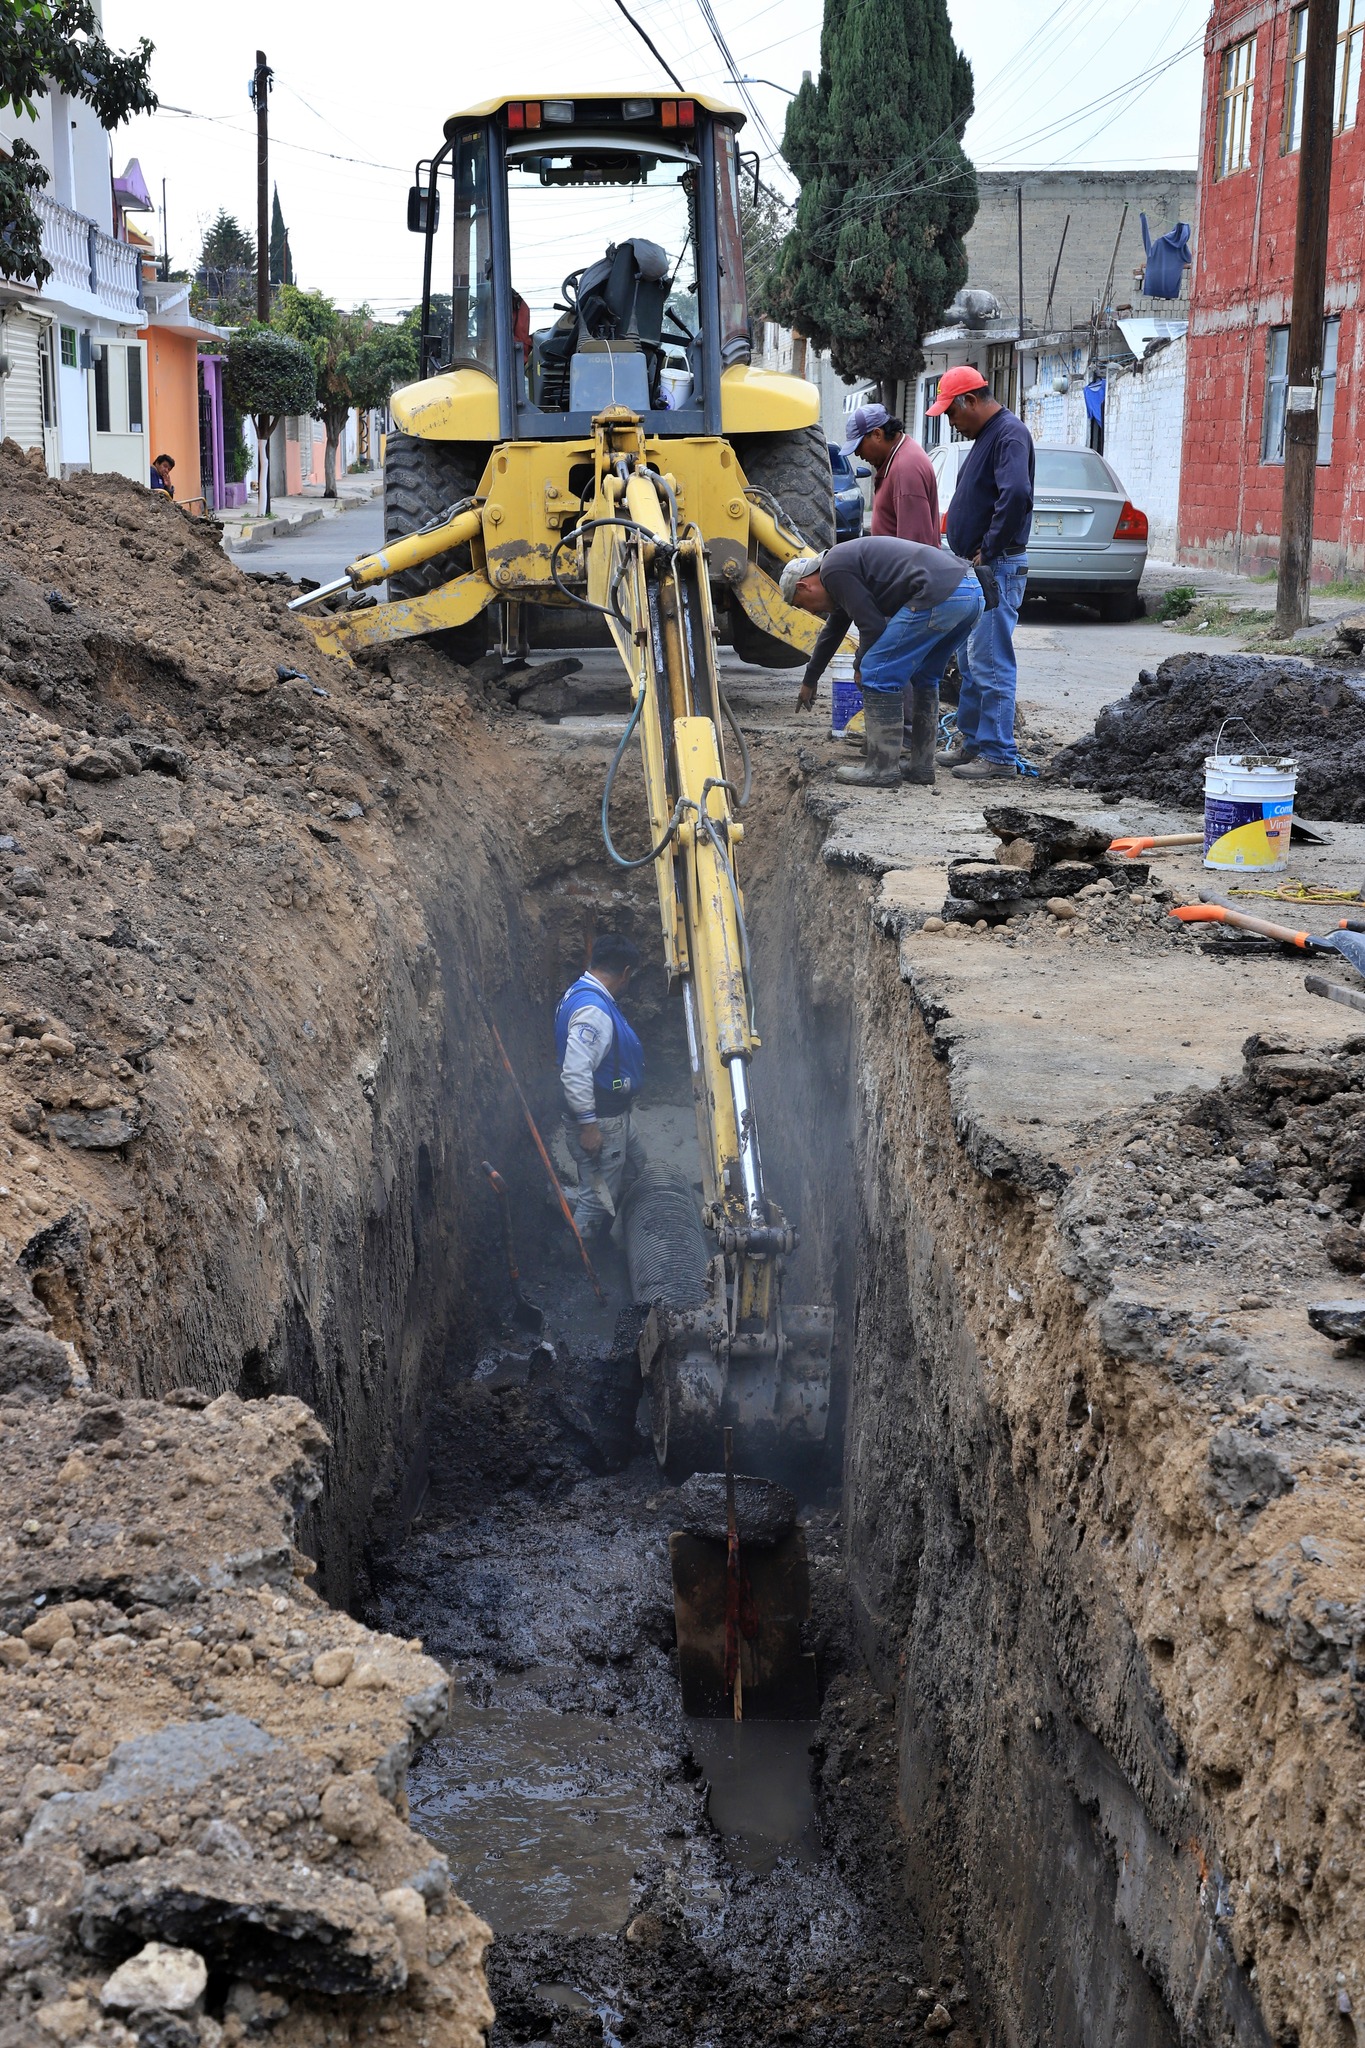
{"x": 118, "y": 409}
{"x": 21, "y": 390}
{"x": 47, "y": 378}
{"x": 207, "y": 467}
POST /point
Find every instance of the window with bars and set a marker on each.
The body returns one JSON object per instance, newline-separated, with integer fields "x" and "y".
{"x": 1346, "y": 89}
{"x": 69, "y": 355}
{"x": 1350, "y": 40}
{"x": 1277, "y": 386}
{"x": 1236, "y": 81}
{"x": 933, "y": 428}
{"x": 1327, "y": 393}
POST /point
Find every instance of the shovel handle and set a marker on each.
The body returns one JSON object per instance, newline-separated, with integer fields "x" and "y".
{"x": 1218, "y": 913}
{"x": 1318, "y": 985}
{"x": 499, "y": 1187}
{"x": 1133, "y": 847}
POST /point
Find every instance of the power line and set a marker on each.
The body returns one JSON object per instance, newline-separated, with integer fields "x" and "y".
{"x": 651, "y": 45}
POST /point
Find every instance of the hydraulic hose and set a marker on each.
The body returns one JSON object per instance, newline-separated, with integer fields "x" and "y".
{"x": 607, "y": 611}
{"x": 742, "y": 743}
{"x": 679, "y": 809}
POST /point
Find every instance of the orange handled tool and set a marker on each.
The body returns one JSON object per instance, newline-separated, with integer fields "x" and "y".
{"x": 1133, "y": 847}
{"x": 539, "y": 1143}
{"x": 1350, "y": 945}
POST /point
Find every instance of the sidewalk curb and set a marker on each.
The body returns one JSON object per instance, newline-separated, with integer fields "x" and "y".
{"x": 256, "y": 532}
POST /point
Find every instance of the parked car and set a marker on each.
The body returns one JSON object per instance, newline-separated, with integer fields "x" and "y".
{"x": 849, "y": 502}
{"x": 1089, "y": 541}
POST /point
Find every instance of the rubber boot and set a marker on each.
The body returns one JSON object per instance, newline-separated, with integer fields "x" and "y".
{"x": 917, "y": 761}
{"x": 883, "y": 717}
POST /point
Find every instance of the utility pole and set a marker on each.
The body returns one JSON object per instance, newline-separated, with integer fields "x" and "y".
{"x": 260, "y": 93}
{"x": 1305, "y": 321}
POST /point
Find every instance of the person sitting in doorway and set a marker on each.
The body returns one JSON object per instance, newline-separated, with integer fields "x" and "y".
{"x": 161, "y": 474}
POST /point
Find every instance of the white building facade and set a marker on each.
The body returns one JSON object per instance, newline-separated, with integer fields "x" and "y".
{"x": 74, "y": 377}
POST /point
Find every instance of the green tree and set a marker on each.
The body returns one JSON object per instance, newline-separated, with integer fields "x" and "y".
{"x": 225, "y": 282}
{"x": 281, "y": 256}
{"x": 438, "y": 323}
{"x": 887, "y": 192}
{"x": 358, "y": 361}
{"x": 42, "y": 43}
{"x": 269, "y": 376}
{"x": 765, "y": 221}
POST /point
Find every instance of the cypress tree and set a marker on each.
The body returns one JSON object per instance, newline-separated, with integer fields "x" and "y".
{"x": 281, "y": 257}
{"x": 887, "y": 192}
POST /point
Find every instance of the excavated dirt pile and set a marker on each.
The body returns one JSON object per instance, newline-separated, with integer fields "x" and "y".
{"x": 1153, "y": 742}
{"x": 202, "y": 1768}
{"x": 239, "y": 914}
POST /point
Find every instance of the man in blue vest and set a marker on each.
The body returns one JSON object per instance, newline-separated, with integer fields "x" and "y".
{"x": 601, "y": 1067}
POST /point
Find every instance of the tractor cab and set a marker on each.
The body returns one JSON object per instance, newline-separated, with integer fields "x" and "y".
{"x": 582, "y": 253}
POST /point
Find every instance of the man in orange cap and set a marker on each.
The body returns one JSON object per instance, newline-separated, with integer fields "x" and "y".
{"x": 989, "y": 522}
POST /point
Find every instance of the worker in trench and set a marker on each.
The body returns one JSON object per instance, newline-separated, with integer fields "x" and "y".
{"x": 601, "y": 1067}
{"x": 913, "y": 607}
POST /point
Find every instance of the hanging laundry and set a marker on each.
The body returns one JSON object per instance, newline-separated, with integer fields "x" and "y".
{"x": 1167, "y": 260}
{"x": 1094, "y": 400}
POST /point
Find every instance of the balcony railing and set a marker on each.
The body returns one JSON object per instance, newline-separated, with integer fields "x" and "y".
{"x": 87, "y": 262}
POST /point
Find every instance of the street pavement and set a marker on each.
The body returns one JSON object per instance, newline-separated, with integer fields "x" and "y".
{"x": 1070, "y": 664}
{"x": 319, "y": 551}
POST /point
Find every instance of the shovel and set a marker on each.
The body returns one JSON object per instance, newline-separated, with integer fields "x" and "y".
{"x": 1350, "y": 944}
{"x": 525, "y": 1314}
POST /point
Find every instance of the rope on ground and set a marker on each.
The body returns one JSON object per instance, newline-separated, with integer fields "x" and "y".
{"x": 1304, "y": 892}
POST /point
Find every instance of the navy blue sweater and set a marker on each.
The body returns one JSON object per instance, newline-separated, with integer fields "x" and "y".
{"x": 992, "y": 506}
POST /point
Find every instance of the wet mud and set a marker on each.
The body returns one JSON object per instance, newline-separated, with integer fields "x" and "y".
{"x": 649, "y": 1879}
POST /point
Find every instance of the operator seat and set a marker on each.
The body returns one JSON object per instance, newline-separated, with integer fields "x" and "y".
{"x": 619, "y": 299}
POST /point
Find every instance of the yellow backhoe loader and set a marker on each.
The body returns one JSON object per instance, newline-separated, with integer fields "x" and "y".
{"x": 599, "y": 443}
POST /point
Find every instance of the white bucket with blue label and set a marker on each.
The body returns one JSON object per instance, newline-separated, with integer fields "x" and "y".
{"x": 847, "y": 697}
{"x": 1248, "y": 808}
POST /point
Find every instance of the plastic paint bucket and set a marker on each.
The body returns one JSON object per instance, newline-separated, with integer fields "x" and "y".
{"x": 1248, "y": 809}
{"x": 848, "y": 698}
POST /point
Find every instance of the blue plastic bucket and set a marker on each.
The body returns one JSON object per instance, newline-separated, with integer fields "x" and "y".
{"x": 848, "y": 698}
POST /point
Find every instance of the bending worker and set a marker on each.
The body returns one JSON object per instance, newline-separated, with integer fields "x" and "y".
{"x": 913, "y": 607}
{"x": 601, "y": 1067}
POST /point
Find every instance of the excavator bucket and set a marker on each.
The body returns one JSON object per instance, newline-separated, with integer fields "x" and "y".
{"x": 772, "y": 1389}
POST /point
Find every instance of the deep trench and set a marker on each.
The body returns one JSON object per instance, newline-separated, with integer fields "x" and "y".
{"x": 647, "y": 1880}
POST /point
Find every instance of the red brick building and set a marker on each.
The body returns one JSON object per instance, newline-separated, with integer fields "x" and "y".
{"x": 1232, "y": 470}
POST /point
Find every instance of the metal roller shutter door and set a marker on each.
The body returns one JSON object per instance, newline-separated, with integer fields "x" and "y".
{"x": 21, "y": 392}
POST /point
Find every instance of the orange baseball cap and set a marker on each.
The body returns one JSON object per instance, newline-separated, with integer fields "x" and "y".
{"x": 956, "y": 384}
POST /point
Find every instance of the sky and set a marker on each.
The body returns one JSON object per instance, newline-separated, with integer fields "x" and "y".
{"x": 1101, "y": 84}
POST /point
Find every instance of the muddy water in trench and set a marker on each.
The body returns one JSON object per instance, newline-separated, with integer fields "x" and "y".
{"x": 649, "y": 1879}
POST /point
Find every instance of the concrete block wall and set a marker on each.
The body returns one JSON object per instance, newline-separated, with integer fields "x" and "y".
{"x": 1143, "y": 411}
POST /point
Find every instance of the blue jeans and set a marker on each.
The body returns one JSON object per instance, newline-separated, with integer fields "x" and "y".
{"x": 916, "y": 646}
{"x": 985, "y": 710}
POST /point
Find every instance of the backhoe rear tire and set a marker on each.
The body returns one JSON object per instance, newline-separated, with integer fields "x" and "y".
{"x": 422, "y": 480}
{"x": 794, "y": 469}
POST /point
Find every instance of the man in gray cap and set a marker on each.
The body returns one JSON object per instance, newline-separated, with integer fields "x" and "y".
{"x": 905, "y": 496}
{"x": 913, "y": 607}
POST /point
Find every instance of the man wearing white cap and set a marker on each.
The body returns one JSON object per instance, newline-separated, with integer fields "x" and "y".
{"x": 913, "y": 607}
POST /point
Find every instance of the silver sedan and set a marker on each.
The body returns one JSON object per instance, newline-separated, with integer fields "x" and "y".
{"x": 1089, "y": 541}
